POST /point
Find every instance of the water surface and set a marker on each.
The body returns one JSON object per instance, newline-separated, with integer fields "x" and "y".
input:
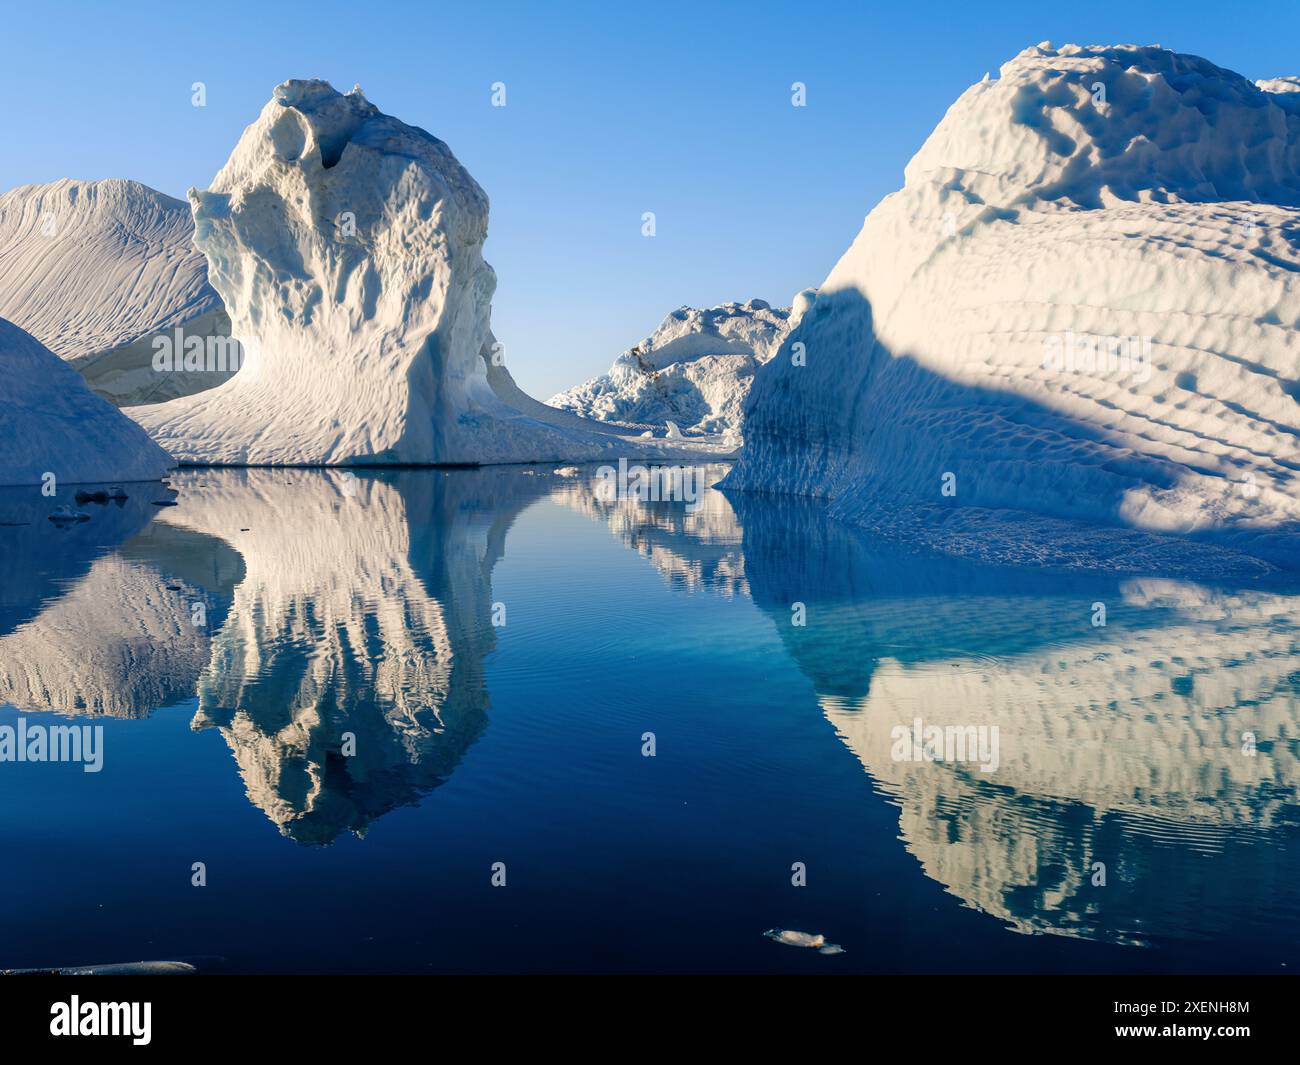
{"x": 349, "y": 696}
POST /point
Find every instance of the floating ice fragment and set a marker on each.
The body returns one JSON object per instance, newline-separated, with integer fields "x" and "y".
{"x": 791, "y": 938}
{"x": 65, "y": 515}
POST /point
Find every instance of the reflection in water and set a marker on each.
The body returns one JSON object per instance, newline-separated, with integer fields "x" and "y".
{"x": 693, "y": 547}
{"x": 120, "y": 643}
{"x": 1164, "y": 738}
{"x": 87, "y": 631}
{"x": 348, "y": 675}
{"x": 348, "y": 619}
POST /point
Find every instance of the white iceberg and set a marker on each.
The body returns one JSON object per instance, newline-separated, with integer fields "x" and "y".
{"x": 98, "y": 271}
{"x": 695, "y": 369}
{"x": 51, "y": 423}
{"x": 347, "y": 248}
{"x": 1081, "y": 306}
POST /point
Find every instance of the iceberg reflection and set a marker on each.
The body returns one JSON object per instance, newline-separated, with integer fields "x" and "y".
{"x": 348, "y": 675}
{"x": 1134, "y": 756}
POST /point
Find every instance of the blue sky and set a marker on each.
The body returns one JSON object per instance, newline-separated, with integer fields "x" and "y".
{"x": 612, "y": 110}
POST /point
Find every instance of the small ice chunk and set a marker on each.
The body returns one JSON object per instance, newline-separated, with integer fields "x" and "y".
{"x": 791, "y": 938}
{"x": 65, "y": 515}
{"x": 673, "y": 432}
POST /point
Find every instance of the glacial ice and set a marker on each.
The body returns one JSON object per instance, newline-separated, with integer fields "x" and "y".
{"x": 347, "y": 248}
{"x": 96, "y": 271}
{"x": 695, "y": 369}
{"x": 1080, "y": 307}
{"x": 52, "y": 423}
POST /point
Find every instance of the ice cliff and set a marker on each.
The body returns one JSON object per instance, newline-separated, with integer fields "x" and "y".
{"x": 51, "y": 423}
{"x": 1080, "y": 307}
{"x": 347, "y": 248}
{"x": 695, "y": 369}
{"x": 97, "y": 271}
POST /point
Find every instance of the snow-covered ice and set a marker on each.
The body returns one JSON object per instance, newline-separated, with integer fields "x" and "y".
{"x": 347, "y": 248}
{"x": 1081, "y": 306}
{"x": 694, "y": 370}
{"x": 96, "y": 271}
{"x": 52, "y": 423}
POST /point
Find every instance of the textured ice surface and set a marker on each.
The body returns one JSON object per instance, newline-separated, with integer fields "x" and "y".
{"x": 347, "y": 248}
{"x": 1081, "y": 305}
{"x": 52, "y": 423}
{"x": 695, "y": 369}
{"x": 96, "y": 270}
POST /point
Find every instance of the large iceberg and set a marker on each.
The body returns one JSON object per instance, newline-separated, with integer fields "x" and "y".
{"x": 105, "y": 275}
{"x": 694, "y": 370}
{"x": 1079, "y": 311}
{"x": 347, "y": 247}
{"x": 51, "y": 423}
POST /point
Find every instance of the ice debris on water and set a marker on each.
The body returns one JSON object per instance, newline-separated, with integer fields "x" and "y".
{"x": 791, "y": 938}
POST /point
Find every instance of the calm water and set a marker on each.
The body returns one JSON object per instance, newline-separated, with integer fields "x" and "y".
{"x": 348, "y": 742}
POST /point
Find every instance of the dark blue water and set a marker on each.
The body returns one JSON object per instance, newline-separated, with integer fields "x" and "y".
{"x": 301, "y": 686}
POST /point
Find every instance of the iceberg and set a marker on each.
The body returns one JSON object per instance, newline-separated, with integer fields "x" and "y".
{"x": 695, "y": 370}
{"x": 347, "y": 247}
{"x": 98, "y": 272}
{"x": 1077, "y": 314}
{"x": 51, "y": 423}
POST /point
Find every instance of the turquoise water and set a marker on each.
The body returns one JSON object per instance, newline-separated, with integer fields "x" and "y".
{"x": 349, "y": 697}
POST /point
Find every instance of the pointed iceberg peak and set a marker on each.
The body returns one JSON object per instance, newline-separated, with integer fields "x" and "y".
{"x": 348, "y": 248}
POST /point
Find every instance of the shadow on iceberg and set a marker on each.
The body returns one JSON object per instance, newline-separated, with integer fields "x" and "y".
{"x": 1158, "y": 752}
{"x": 992, "y": 474}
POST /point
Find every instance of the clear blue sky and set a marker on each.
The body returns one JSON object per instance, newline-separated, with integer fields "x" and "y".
{"x": 678, "y": 108}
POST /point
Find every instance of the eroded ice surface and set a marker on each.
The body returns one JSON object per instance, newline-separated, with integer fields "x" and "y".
{"x": 97, "y": 271}
{"x": 347, "y": 248}
{"x": 695, "y": 370}
{"x": 1081, "y": 305}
